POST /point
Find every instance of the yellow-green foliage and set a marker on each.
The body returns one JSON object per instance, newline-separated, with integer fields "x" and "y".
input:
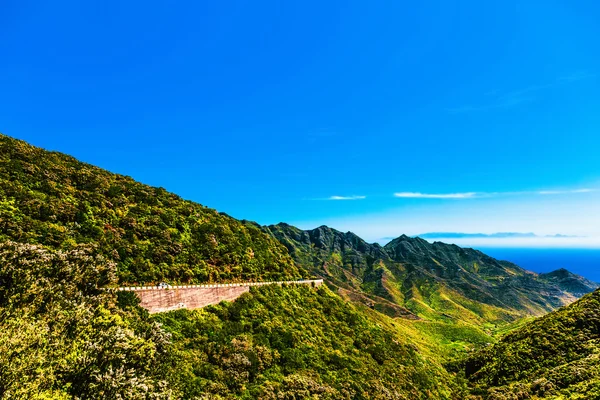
{"x": 556, "y": 356}
{"x": 64, "y": 338}
{"x": 298, "y": 342}
{"x": 54, "y": 200}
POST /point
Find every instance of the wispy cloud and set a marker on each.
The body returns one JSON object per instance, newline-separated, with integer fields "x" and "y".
{"x": 519, "y": 96}
{"x": 471, "y": 195}
{"x": 417, "y": 195}
{"x": 585, "y": 190}
{"x": 346, "y": 198}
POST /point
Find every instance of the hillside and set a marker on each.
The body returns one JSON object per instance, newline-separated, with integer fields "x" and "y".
{"x": 568, "y": 281}
{"x": 435, "y": 281}
{"x": 69, "y": 231}
{"x": 298, "y": 343}
{"x": 556, "y": 356}
{"x": 65, "y": 338}
{"x": 52, "y": 199}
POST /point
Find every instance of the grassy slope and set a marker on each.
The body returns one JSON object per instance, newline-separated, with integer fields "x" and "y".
{"x": 452, "y": 301}
{"x": 268, "y": 343}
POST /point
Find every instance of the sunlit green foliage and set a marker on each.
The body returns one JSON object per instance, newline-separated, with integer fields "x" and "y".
{"x": 62, "y": 337}
{"x": 459, "y": 298}
{"x": 69, "y": 230}
{"x": 296, "y": 343}
{"x": 435, "y": 281}
{"x": 555, "y": 356}
{"x": 52, "y": 199}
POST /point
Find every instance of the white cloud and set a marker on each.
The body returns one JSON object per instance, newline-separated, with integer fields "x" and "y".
{"x": 545, "y": 192}
{"x": 417, "y": 195}
{"x": 573, "y": 215}
{"x": 471, "y": 195}
{"x": 347, "y": 198}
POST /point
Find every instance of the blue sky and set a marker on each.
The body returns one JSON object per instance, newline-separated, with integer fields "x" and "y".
{"x": 479, "y": 116}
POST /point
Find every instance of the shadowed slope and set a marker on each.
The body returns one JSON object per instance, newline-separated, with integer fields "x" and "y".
{"x": 432, "y": 280}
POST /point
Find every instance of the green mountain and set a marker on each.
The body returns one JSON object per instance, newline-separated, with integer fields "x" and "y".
{"x": 299, "y": 343}
{"x": 556, "y": 356}
{"x": 52, "y": 199}
{"x": 68, "y": 230}
{"x": 434, "y": 281}
{"x": 569, "y": 282}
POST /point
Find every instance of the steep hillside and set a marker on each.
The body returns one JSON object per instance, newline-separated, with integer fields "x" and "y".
{"x": 298, "y": 343}
{"x": 64, "y": 337}
{"x": 556, "y": 356}
{"x": 69, "y": 230}
{"x": 345, "y": 260}
{"x": 54, "y": 200}
{"x": 436, "y": 281}
{"x": 569, "y": 282}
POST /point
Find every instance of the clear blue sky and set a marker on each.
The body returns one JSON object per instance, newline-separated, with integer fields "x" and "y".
{"x": 265, "y": 110}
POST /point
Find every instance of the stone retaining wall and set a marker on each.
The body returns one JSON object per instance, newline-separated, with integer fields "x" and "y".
{"x": 159, "y": 299}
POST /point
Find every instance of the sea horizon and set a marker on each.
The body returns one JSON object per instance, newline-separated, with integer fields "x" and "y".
{"x": 581, "y": 261}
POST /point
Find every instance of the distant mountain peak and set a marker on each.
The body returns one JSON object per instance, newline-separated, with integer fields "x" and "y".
{"x": 407, "y": 270}
{"x": 496, "y": 235}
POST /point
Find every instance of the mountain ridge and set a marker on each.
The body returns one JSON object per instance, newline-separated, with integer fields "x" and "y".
{"x": 69, "y": 230}
{"x": 397, "y": 272}
{"x": 413, "y": 306}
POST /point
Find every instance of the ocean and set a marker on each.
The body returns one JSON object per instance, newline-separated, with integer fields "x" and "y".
{"x": 584, "y": 262}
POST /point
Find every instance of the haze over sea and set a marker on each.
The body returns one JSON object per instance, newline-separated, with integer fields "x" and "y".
{"x": 585, "y": 262}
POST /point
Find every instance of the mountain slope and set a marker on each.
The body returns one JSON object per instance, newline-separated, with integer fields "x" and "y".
{"x": 52, "y": 199}
{"x": 345, "y": 261}
{"x": 64, "y": 337}
{"x": 436, "y": 281}
{"x": 68, "y": 230}
{"x": 298, "y": 343}
{"x": 555, "y": 356}
{"x": 569, "y": 282}
{"x": 81, "y": 229}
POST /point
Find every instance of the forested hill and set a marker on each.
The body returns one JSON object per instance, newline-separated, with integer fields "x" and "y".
{"x": 431, "y": 280}
{"x": 556, "y": 356}
{"x": 52, "y": 199}
{"x": 68, "y": 229}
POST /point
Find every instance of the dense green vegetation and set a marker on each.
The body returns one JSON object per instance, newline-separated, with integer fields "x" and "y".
{"x": 556, "y": 356}
{"x": 62, "y": 337}
{"x": 298, "y": 343}
{"x": 52, "y": 199}
{"x": 434, "y": 281}
{"x": 389, "y": 320}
